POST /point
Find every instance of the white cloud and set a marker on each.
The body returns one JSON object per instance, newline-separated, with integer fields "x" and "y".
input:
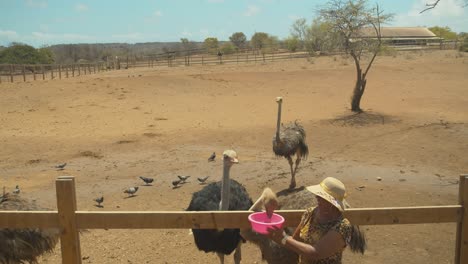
{"x": 251, "y": 10}
{"x": 8, "y": 34}
{"x": 158, "y": 13}
{"x": 81, "y": 7}
{"x": 65, "y": 37}
{"x": 128, "y": 36}
{"x": 447, "y": 13}
{"x": 36, "y": 3}
{"x": 204, "y": 33}
{"x": 294, "y": 17}
{"x": 186, "y": 33}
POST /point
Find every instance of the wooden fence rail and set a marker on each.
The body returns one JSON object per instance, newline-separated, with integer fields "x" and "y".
{"x": 69, "y": 220}
{"x": 10, "y": 72}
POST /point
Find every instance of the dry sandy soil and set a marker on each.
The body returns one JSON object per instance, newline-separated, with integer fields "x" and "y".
{"x": 112, "y": 127}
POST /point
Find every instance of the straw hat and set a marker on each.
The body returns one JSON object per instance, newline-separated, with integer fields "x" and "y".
{"x": 332, "y": 190}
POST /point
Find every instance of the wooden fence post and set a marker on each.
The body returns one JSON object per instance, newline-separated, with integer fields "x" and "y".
{"x": 461, "y": 247}
{"x": 79, "y": 69}
{"x": 60, "y": 71}
{"x": 73, "y": 70}
{"x": 24, "y": 73}
{"x": 34, "y": 72}
{"x": 11, "y": 72}
{"x": 66, "y": 70}
{"x": 43, "y": 72}
{"x": 66, "y": 205}
{"x": 51, "y": 72}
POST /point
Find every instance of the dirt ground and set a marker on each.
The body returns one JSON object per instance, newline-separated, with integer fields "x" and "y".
{"x": 112, "y": 127}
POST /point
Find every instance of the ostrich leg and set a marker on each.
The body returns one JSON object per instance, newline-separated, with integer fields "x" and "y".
{"x": 237, "y": 254}
{"x": 221, "y": 257}
{"x": 292, "y": 185}
{"x": 298, "y": 160}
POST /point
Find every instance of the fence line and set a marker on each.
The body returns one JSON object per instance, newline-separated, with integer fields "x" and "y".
{"x": 12, "y": 71}
{"x": 69, "y": 220}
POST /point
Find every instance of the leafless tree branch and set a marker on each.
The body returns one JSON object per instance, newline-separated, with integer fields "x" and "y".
{"x": 430, "y": 6}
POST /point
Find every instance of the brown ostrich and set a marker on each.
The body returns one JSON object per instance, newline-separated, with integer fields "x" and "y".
{"x": 289, "y": 141}
{"x": 24, "y": 245}
{"x": 296, "y": 199}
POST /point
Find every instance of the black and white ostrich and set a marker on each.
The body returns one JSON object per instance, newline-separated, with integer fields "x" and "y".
{"x": 289, "y": 141}
{"x": 295, "y": 199}
{"x": 225, "y": 195}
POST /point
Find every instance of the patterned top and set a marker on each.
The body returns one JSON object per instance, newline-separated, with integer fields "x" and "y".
{"x": 311, "y": 232}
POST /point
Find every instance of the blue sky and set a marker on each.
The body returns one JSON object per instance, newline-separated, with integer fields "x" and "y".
{"x": 48, "y": 22}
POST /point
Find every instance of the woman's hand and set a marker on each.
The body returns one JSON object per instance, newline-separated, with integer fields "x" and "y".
{"x": 276, "y": 234}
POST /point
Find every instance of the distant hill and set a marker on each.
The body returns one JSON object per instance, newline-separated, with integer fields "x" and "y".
{"x": 71, "y": 53}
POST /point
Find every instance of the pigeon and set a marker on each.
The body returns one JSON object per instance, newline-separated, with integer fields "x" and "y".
{"x": 147, "y": 180}
{"x": 203, "y": 180}
{"x": 183, "y": 178}
{"x": 61, "y": 166}
{"x": 16, "y": 190}
{"x": 99, "y": 201}
{"x": 131, "y": 191}
{"x": 176, "y": 183}
{"x": 212, "y": 157}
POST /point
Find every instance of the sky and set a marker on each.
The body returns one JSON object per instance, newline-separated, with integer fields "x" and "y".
{"x": 49, "y": 22}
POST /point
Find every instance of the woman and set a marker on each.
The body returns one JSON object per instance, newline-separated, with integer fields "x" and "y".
{"x": 323, "y": 232}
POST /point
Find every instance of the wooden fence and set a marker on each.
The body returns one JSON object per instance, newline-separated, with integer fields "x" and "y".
{"x": 69, "y": 220}
{"x": 12, "y": 72}
{"x": 26, "y": 72}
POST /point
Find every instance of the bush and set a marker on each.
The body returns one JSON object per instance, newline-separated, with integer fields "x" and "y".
{"x": 18, "y": 53}
{"x": 464, "y": 45}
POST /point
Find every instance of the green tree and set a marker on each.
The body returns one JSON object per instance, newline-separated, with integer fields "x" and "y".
{"x": 463, "y": 38}
{"x": 211, "y": 45}
{"x": 320, "y": 37}
{"x": 444, "y": 32}
{"x": 46, "y": 55}
{"x": 349, "y": 19}
{"x": 19, "y": 53}
{"x": 259, "y": 40}
{"x": 228, "y": 48}
{"x": 292, "y": 43}
{"x": 239, "y": 40}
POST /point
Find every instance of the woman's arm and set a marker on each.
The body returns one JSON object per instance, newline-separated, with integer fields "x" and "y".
{"x": 327, "y": 246}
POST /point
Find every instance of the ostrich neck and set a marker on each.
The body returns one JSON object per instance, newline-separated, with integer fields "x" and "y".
{"x": 225, "y": 189}
{"x": 278, "y": 123}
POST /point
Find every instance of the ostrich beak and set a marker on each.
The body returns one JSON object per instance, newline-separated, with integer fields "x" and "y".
{"x": 234, "y": 160}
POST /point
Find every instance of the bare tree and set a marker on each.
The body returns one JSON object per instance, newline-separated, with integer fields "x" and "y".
{"x": 359, "y": 28}
{"x": 436, "y": 2}
{"x": 299, "y": 30}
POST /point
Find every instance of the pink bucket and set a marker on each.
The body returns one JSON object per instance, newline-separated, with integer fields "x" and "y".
{"x": 260, "y": 222}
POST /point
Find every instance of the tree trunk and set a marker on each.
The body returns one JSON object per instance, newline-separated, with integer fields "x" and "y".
{"x": 358, "y": 92}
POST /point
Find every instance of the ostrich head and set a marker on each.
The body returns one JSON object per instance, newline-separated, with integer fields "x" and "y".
{"x": 279, "y": 100}
{"x": 230, "y": 158}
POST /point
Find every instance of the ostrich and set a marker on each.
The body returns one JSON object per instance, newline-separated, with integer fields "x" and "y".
{"x": 288, "y": 141}
{"x": 225, "y": 195}
{"x": 24, "y": 245}
{"x": 296, "y": 199}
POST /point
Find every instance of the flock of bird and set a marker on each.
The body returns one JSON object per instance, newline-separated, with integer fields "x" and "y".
{"x": 148, "y": 182}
